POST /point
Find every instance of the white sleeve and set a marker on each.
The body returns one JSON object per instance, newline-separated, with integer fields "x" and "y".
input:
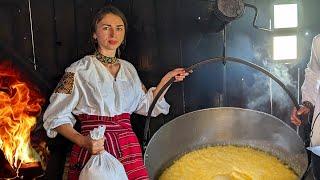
{"x": 310, "y": 87}
{"x": 145, "y": 100}
{"x": 62, "y": 102}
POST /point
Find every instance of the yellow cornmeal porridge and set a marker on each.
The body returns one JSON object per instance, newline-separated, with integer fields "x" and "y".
{"x": 228, "y": 163}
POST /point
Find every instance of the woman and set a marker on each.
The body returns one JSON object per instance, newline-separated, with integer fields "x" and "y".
{"x": 311, "y": 100}
{"x": 101, "y": 89}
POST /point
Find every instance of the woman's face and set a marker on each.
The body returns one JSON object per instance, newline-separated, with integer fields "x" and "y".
{"x": 109, "y": 32}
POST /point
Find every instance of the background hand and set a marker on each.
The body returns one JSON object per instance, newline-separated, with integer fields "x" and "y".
{"x": 294, "y": 114}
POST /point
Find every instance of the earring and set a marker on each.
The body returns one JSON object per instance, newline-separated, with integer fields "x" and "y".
{"x": 118, "y": 52}
{"x": 123, "y": 42}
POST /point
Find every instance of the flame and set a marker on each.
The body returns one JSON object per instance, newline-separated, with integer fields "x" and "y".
{"x": 19, "y": 106}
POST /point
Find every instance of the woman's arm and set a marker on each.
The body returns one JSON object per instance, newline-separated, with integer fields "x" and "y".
{"x": 58, "y": 117}
{"x": 93, "y": 146}
{"x": 70, "y": 133}
{"x": 146, "y": 97}
{"x": 310, "y": 86}
{"x": 179, "y": 75}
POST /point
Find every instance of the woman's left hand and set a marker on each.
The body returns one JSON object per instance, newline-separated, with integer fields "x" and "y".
{"x": 179, "y": 74}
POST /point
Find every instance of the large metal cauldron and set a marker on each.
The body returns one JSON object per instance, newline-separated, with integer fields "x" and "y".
{"x": 224, "y": 125}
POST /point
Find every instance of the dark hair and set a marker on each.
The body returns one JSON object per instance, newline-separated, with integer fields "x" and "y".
{"x": 109, "y": 9}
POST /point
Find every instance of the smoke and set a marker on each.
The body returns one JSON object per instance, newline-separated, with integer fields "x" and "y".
{"x": 258, "y": 89}
{"x": 266, "y": 94}
{"x": 259, "y": 96}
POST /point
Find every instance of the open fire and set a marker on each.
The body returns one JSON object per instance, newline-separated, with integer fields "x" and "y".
{"x": 20, "y": 104}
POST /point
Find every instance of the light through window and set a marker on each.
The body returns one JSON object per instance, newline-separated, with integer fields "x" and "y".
{"x": 285, "y": 16}
{"x": 285, "y": 31}
{"x": 284, "y": 47}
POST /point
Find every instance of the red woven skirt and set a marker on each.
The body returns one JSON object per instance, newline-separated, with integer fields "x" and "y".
{"x": 121, "y": 142}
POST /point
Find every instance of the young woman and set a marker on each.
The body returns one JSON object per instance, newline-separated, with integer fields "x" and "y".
{"x": 101, "y": 89}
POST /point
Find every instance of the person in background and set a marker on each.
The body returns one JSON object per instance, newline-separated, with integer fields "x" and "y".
{"x": 101, "y": 89}
{"x": 311, "y": 100}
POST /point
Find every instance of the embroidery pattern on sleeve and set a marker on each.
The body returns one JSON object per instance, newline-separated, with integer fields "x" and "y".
{"x": 65, "y": 85}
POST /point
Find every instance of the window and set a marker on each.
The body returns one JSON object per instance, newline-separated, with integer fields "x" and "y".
{"x": 285, "y": 25}
{"x": 285, "y": 16}
{"x": 284, "y": 47}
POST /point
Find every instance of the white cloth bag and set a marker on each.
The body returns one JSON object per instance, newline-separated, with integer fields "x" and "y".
{"x": 102, "y": 166}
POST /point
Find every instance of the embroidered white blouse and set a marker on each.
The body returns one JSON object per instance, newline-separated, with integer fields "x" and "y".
{"x": 89, "y": 88}
{"x": 310, "y": 88}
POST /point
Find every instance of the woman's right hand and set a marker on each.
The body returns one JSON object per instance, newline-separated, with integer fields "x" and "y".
{"x": 94, "y": 146}
{"x": 295, "y": 113}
